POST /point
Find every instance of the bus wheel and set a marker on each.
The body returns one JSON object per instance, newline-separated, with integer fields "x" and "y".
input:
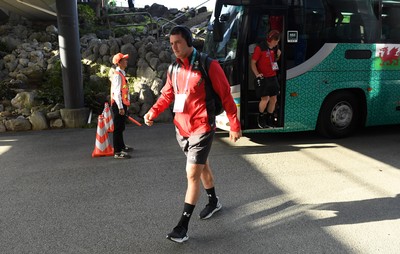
{"x": 339, "y": 115}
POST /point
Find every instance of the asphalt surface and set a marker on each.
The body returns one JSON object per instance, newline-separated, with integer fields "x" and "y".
{"x": 281, "y": 193}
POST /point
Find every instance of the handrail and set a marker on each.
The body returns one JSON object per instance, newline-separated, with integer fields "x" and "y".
{"x": 157, "y": 21}
{"x": 168, "y": 22}
{"x": 37, "y": 8}
{"x": 133, "y": 14}
{"x": 182, "y": 14}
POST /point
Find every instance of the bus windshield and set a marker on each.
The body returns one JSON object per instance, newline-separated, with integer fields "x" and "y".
{"x": 231, "y": 17}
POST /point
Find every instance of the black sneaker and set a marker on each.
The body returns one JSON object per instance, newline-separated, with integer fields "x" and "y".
{"x": 270, "y": 121}
{"x": 210, "y": 209}
{"x": 127, "y": 149}
{"x": 178, "y": 235}
{"x": 121, "y": 155}
{"x": 262, "y": 121}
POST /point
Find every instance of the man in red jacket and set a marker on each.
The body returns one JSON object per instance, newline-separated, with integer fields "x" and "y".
{"x": 264, "y": 65}
{"x": 194, "y": 121}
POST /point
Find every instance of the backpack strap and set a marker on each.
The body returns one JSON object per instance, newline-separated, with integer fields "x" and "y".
{"x": 213, "y": 102}
{"x": 170, "y": 69}
{"x": 205, "y": 63}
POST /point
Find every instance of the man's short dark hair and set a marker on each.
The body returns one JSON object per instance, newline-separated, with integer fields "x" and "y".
{"x": 185, "y": 32}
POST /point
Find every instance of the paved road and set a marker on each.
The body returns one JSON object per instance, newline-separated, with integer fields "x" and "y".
{"x": 282, "y": 193}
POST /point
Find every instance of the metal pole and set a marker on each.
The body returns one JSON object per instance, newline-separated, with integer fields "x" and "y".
{"x": 68, "y": 38}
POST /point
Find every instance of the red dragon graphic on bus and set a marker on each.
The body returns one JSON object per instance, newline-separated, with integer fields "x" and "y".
{"x": 389, "y": 57}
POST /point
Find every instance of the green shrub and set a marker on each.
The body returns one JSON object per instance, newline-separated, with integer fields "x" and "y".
{"x": 4, "y": 47}
{"x": 95, "y": 93}
{"x": 51, "y": 90}
{"x": 112, "y": 3}
{"x": 87, "y": 19}
{"x": 7, "y": 90}
{"x": 86, "y": 14}
{"x": 121, "y": 31}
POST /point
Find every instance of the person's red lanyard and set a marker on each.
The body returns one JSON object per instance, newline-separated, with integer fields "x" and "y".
{"x": 175, "y": 74}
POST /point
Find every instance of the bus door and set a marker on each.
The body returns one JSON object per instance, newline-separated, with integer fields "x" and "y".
{"x": 260, "y": 22}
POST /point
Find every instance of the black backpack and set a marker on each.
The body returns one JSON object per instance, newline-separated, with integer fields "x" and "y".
{"x": 211, "y": 95}
{"x": 213, "y": 101}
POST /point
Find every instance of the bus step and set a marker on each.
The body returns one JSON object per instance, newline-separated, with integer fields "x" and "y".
{"x": 252, "y": 121}
{"x": 252, "y": 106}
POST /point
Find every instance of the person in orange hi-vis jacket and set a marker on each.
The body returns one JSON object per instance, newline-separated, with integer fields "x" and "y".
{"x": 119, "y": 105}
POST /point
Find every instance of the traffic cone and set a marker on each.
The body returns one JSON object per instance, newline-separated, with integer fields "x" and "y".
{"x": 108, "y": 118}
{"x": 102, "y": 146}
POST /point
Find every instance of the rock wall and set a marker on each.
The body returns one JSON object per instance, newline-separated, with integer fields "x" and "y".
{"x": 34, "y": 52}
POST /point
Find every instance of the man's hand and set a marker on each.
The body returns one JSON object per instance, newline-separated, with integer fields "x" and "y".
{"x": 121, "y": 111}
{"x": 234, "y": 136}
{"x": 148, "y": 119}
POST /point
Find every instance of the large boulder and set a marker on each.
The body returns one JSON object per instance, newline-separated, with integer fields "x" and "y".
{"x": 18, "y": 124}
{"x": 38, "y": 121}
{"x": 144, "y": 70}
{"x": 2, "y": 127}
{"x": 157, "y": 10}
{"x": 23, "y": 100}
{"x": 34, "y": 73}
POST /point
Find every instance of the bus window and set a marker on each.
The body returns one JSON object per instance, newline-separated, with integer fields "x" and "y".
{"x": 263, "y": 24}
{"x": 327, "y": 21}
{"x": 226, "y": 49}
{"x": 352, "y": 21}
{"x": 390, "y": 22}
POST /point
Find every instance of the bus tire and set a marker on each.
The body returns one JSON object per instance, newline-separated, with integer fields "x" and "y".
{"x": 339, "y": 116}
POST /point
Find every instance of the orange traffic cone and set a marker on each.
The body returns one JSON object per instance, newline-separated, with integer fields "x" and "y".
{"x": 108, "y": 118}
{"x": 102, "y": 146}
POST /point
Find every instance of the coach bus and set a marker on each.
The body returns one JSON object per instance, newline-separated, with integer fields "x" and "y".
{"x": 339, "y": 69}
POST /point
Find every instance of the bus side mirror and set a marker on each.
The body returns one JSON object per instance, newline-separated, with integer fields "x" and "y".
{"x": 224, "y": 18}
{"x": 218, "y": 29}
{"x": 217, "y": 25}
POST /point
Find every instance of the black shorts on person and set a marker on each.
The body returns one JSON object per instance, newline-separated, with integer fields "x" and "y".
{"x": 269, "y": 87}
{"x": 196, "y": 147}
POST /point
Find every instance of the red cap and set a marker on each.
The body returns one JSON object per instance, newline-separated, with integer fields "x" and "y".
{"x": 118, "y": 57}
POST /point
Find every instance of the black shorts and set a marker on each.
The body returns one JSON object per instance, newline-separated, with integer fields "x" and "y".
{"x": 196, "y": 147}
{"x": 270, "y": 87}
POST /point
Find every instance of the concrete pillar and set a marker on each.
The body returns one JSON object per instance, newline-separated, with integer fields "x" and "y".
{"x": 68, "y": 37}
{"x": 74, "y": 118}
